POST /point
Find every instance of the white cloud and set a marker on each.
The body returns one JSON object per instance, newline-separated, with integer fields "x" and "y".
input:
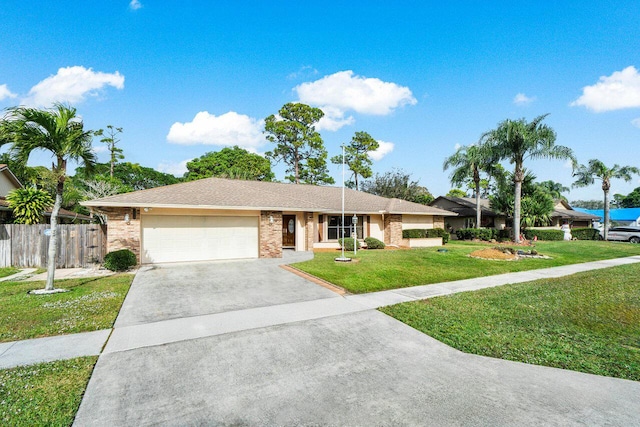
{"x": 6, "y": 93}
{"x": 227, "y": 129}
{"x": 343, "y": 91}
{"x": 522, "y": 99}
{"x": 176, "y": 169}
{"x": 384, "y": 149}
{"x": 135, "y": 4}
{"x": 636, "y": 122}
{"x": 100, "y": 148}
{"x": 615, "y": 92}
{"x": 333, "y": 119}
{"x": 457, "y": 146}
{"x": 72, "y": 84}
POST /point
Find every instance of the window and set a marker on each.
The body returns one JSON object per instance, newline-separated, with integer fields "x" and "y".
{"x": 334, "y": 226}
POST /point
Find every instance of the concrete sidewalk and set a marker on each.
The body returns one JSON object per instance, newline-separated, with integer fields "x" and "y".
{"x": 49, "y": 349}
{"x": 174, "y": 330}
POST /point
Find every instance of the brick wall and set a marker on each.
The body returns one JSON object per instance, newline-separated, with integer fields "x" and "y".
{"x": 438, "y": 221}
{"x": 393, "y": 229}
{"x": 308, "y": 230}
{"x": 270, "y": 234}
{"x": 120, "y": 233}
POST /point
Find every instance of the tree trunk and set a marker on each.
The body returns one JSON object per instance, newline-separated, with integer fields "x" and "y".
{"x": 518, "y": 176}
{"x": 53, "y": 240}
{"x": 355, "y": 177}
{"x": 113, "y": 160}
{"x": 606, "y": 212}
{"x": 297, "y": 169}
{"x": 478, "y": 211}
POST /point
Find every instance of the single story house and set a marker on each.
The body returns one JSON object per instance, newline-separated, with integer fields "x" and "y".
{"x": 465, "y": 207}
{"x": 563, "y": 213}
{"x": 620, "y": 216}
{"x": 8, "y": 182}
{"x": 217, "y": 218}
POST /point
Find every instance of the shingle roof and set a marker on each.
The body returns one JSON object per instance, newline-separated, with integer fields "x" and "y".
{"x": 218, "y": 193}
{"x": 467, "y": 206}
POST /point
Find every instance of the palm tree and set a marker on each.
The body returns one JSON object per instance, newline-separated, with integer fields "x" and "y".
{"x": 468, "y": 162}
{"x": 516, "y": 141}
{"x": 586, "y": 175}
{"x": 61, "y": 132}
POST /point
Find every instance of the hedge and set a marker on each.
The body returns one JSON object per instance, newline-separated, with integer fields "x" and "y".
{"x": 585, "y": 233}
{"x": 348, "y": 243}
{"x": 373, "y": 243}
{"x": 530, "y": 233}
{"x": 486, "y": 234}
{"x": 422, "y": 233}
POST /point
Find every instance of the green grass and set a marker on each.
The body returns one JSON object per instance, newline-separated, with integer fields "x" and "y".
{"x": 8, "y": 271}
{"x": 587, "y": 322}
{"x": 91, "y": 304}
{"x": 378, "y": 270}
{"x": 46, "y": 394}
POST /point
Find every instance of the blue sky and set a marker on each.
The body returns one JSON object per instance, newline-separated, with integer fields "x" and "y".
{"x": 184, "y": 78}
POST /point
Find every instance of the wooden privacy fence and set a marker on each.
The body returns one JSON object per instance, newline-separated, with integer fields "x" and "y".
{"x": 79, "y": 245}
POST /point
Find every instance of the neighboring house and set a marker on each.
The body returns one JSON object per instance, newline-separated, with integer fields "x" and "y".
{"x": 216, "y": 218}
{"x": 622, "y": 216}
{"x": 8, "y": 182}
{"x": 465, "y": 207}
{"x": 563, "y": 213}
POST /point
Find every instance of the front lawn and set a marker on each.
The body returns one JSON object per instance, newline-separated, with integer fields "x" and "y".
{"x": 46, "y": 394}
{"x": 91, "y": 304}
{"x": 8, "y": 271}
{"x": 377, "y": 270}
{"x": 587, "y": 322}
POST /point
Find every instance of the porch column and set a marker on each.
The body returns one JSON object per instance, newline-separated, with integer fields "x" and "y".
{"x": 270, "y": 245}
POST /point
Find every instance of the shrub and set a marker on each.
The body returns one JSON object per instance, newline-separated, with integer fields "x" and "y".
{"x": 476, "y": 233}
{"x": 502, "y": 235}
{"x": 585, "y": 233}
{"x": 373, "y": 243}
{"x": 438, "y": 232}
{"x": 415, "y": 233}
{"x": 120, "y": 260}
{"x": 348, "y": 243}
{"x": 530, "y": 233}
{"x": 421, "y": 233}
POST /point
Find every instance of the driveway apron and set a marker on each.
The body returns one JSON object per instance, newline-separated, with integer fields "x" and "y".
{"x": 351, "y": 367}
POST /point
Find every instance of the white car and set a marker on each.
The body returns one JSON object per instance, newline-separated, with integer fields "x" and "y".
{"x": 623, "y": 233}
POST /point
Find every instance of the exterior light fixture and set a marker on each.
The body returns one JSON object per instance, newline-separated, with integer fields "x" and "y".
{"x": 126, "y": 218}
{"x": 270, "y": 219}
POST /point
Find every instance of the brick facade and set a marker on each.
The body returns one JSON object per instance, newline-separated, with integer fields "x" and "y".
{"x": 270, "y": 234}
{"x": 438, "y": 221}
{"x": 123, "y": 234}
{"x": 308, "y": 230}
{"x": 393, "y": 229}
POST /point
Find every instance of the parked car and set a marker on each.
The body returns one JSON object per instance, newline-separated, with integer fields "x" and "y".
{"x": 625, "y": 234}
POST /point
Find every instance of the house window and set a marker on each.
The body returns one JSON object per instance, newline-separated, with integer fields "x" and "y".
{"x": 334, "y": 226}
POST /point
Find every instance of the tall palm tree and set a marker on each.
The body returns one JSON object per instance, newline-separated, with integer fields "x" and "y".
{"x": 586, "y": 175}
{"x": 60, "y": 131}
{"x": 516, "y": 141}
{"x": 468, "y": 163}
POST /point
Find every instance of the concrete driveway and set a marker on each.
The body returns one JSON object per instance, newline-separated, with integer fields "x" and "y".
{"x": 172, "y": 291}
{"x": 323, "y": 361}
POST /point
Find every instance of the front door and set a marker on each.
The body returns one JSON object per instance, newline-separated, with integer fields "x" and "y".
{"x": 288, "y": 231}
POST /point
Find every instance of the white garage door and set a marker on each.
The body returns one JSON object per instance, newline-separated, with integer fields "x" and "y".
{"x": 198, "y": 238}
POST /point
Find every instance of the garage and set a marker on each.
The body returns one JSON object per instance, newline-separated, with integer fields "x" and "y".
{"x": 177, "y": 238}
